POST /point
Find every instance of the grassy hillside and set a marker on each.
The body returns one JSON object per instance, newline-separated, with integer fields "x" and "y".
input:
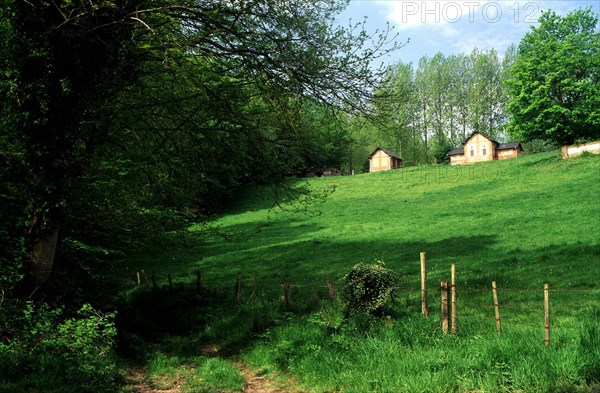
{"x": 522, "y": 223}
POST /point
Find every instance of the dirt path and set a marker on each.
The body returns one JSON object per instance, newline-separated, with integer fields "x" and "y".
{"x": 135, "y": 382}
{"x": 256, "y": 383}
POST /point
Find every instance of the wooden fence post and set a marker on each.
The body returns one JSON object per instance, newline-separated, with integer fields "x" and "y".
{"x": 424, "y": 302}
{"x": 547, "y": 314}
{"x": 287, "y": 301}
{"x": 331, "y": 289}
{"x": 444, "y": 295}
{"x": 199, "y": 284}
{"x": 253, "y": 295}
{"x": 453, "y": 299}
{"x": 145, "y": 278}
{"x": 496, "y": 307}
{"x": 238, "y": 287}
{"x": 138, "y": 278}
{"x": 154, "y": 285}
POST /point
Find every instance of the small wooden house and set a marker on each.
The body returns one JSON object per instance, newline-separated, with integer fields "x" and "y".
{"x": 383, "y": 159}
{"x": 478, "y": 147}
{"x": 320, "y": 172}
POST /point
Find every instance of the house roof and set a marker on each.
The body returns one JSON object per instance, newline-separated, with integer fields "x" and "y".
{"x": 509, "y": 145}
{"x": 386, "y": 151}
{"x": 480, "y": 133}
{"x": 455, "y": 152}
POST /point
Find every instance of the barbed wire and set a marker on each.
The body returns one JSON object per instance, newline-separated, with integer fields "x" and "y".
{"x": 566, "y": 327}
{"x": 474, "y": 304}
{"x": 463, "y": 318}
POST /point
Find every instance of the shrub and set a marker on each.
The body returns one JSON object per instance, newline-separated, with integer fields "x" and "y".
{"x": 368, "y": 288}
{"x": 58, "y": 353}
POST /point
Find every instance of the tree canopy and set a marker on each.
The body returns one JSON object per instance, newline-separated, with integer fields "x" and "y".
{"x": 555, "y": 80}
{"x": 112, "y": 110}
{"x": 422, "y": 111}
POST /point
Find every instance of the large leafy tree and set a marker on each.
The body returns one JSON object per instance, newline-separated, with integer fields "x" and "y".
{"x": 99, "y": 95}
{"x": 554, "y": 82}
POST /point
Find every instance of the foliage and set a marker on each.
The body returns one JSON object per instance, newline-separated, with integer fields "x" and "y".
{"x": 368, "y": 288}
{"x": 14, "y": 207}
{"x": 440, "y": 152}
{"x": 434, "y": 105}
{"x": 113, "y": 110}
{"x": 56, "y": 352}
{"x": 120, "y": 120}
{"x": 554, "y": 81}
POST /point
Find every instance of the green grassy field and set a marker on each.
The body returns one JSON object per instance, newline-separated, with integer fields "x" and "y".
{"x": 521, "y": 223}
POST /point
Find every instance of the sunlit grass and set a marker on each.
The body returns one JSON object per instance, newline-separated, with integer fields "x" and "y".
{"x": 192, "y": 374}
{"x": 521, "y": 223}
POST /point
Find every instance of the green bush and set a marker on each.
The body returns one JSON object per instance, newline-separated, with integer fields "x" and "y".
{"x": 368, "y": 287}
{"x": 62, "y": 353}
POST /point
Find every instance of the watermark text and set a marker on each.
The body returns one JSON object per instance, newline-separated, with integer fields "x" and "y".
{"x": 473, "y": 11}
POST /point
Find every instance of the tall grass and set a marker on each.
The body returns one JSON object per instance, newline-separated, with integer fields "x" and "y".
{"x": 411, "y": 355}
{"x": 521, "y": 223}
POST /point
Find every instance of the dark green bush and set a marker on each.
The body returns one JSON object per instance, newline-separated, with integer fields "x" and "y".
{"x": 368, "y": 287}
{"x": 59, "y": 353}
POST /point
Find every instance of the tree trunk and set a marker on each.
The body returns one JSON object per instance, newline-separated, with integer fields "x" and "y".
{"x": 41, "y": 259}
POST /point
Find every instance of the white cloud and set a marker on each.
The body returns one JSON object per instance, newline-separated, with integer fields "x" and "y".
{"x": 411, "y": 14}
{"x": 453, "y": 26}
{"x": 459, "y": 26}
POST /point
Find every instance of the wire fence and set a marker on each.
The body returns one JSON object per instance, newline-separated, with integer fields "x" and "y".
{"x": 533, "y": 308}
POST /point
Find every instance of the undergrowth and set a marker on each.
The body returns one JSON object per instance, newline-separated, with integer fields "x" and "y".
{"x": 411, "y": 354}
{"x": 59, "y": 352}
{"x": 521, "y": 223}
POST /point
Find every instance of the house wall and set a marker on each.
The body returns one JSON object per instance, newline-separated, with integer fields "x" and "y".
{"x": 478, "y": 149}
{"x": 382, "y": 162}
{"x": 569, "y": 151}
{"x": 457, "y": 159}
{"x": 506, "y": 154}
{"x": 379, "y": 162}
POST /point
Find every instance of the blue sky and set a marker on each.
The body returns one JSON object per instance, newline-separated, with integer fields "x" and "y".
{"x": 458, "y": 26}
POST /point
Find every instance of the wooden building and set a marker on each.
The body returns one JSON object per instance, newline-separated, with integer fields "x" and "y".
{"x": 575, "y": 150}
{"x": 383, "y": 159}
{"x": 478, "y": 147}
{"x": 320, "y": 172}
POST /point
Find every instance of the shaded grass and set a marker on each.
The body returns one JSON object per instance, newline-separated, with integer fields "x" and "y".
{"x": 535, "y": 217}
{"x": 521, "y": 223}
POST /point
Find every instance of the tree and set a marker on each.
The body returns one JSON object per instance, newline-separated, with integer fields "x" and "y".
{"x": 554, "y": 82}
{"x": 394, "y": 114}
{"x": 73, "y": 78}
{"x": 423, "y": 83}
{"x": 424, "y": 112}
{"x": 486, "y": 93}
{"x": 462, "y": 76}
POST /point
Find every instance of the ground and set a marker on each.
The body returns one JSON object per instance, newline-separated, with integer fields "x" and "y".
{"x": 135, "y": 381}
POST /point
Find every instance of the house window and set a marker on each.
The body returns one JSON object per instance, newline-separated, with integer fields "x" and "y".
{"x": 484, "y": 152}
{"x": 472, "y": 151}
